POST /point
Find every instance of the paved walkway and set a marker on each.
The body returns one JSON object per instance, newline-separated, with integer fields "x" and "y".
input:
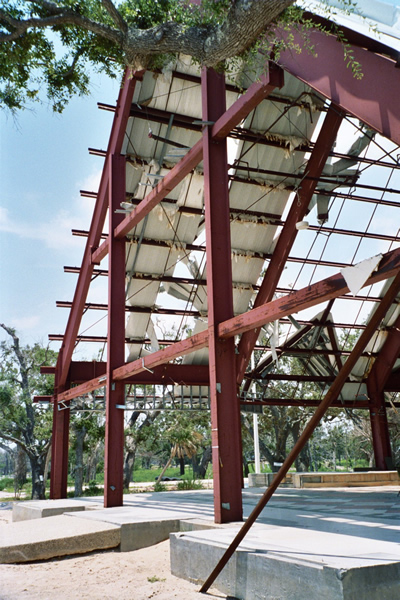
{"x": 372, "y": 513}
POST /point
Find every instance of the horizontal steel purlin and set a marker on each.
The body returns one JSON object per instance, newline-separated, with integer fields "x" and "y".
{"x": 221, "y": 128}
{"x": 281, "y": 307}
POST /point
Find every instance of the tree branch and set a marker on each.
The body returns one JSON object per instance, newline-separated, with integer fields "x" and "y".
{"x": 64, "y": 17}
{"x": 11, "y": 438}
{"x": 115, "y": 15}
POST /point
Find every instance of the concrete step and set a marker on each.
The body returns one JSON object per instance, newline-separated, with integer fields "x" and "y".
{"x": 283, "y": 563}
{"x": 41, "y": 539}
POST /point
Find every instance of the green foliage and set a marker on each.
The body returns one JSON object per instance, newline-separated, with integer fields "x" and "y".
{"x": 55, "y": 59}
{"x": 6, "y": 484}
{"x": 155, "y": 579}
{"x": 93, "y": 489}
{"x": 159, "y": 487}
{"x": 189, "y": 484}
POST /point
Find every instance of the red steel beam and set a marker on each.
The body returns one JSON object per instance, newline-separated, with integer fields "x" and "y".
{"x": 82, "y": 371}
{"x": 330, "y": 397}
{"x": 281, "y": 307}
{"x": 378, "y": 376}
{"x": 236, "y": 113}
{"x": 224, "y": 403}
{"x": 114, "y": 147}
{"x": 288, "y": 234}
{"x": 312, "y": 295}
{"x": 373, "y": 99}
{"x": 115, "y": 391}
{"x": 195, "y": 342}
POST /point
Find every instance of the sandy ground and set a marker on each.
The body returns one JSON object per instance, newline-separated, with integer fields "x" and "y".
{"x": 137, "y": 575}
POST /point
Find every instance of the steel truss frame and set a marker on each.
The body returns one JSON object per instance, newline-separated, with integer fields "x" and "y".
{"x": 367, "y": 100}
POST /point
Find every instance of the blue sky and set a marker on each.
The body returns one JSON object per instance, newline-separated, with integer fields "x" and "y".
{"x": 44, "y": 162}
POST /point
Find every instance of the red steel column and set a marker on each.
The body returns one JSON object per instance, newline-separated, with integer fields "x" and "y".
{"x": 59, "y": 446}
{"x": 380, "y": 431}
{"x": 115, "y": 391}
{"x": 377, "y": 378}
{"x": 225, "y": 410}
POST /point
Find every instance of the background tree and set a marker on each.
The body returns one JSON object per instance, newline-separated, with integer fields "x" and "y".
{"x": 51, "y": 47}
{"x": 183, "y": 437}
{"x": 50, "y": 43}
{"x": 21, "y": 422}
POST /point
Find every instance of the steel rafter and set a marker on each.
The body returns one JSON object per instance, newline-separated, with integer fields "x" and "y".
{"x": 367, "y": 98}
{"x": 60, "y": 433}
{"x": 312, "y": 295}
{"x": 288, "y": 234}
{"x": 234, "y": 115}
{"x": 96, "y": 227}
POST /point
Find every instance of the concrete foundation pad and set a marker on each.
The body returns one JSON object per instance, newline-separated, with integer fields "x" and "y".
{"x": 276, "y": 563}
{"x": 32, "y": 540}
{"x": 38, "y": 509}
{"x": 136, "y": 531}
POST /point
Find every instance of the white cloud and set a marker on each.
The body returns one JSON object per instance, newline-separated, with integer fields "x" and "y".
{"x": 25, "y": 323}
{"x": 55, "y": 232}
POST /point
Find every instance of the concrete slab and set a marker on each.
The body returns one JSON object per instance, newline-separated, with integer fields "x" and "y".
{"x": 136, "y": 530}
{"x": 277, "y": 563}
{"x": 36, "y": 539}
{"x": 38, "y": 509}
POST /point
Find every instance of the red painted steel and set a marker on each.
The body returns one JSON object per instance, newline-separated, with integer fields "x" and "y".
{"x": 307, "y": 297}
{"x": 221, "y": 129}
{"x": 225, "y": 409}
{"x": 195, "y": 342}
{"x": 288, "y": 234}
{"x": 175, "y": 374}
{"x": 114, "y": 147}
{"x": 60, "y": 432}
{"x": 258, "y": 91}
{"x": 327, "y": 73}
{"x": 59, "y": 446}
{"x": 115, "y": 390}
{"x": 378, "y": 376}
{"x": 333, "y": 393}
{"x": 324, "y": 290}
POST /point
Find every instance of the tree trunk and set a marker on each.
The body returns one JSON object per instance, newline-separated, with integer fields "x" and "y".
{"x": 200, "y": 470}
{"x": 161, "y": 475}
{"x": 245, "y": 466}
{"x": 80, "y": 437}
{"x": 47, "y": 465}
{"x": 38, "y": 485}
{"x": 129, "y": 463}
{"x": 181, "y": 466}
{"x": 20, "y": 471}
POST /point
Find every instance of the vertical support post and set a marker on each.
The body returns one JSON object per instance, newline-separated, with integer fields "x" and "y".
{"x": 225, "y": 409}
{"x": 115, "y": 391}
{"x": 380, "y": 432}
{"x": 378, "y": 376}
{"x": 59, "y": 446}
